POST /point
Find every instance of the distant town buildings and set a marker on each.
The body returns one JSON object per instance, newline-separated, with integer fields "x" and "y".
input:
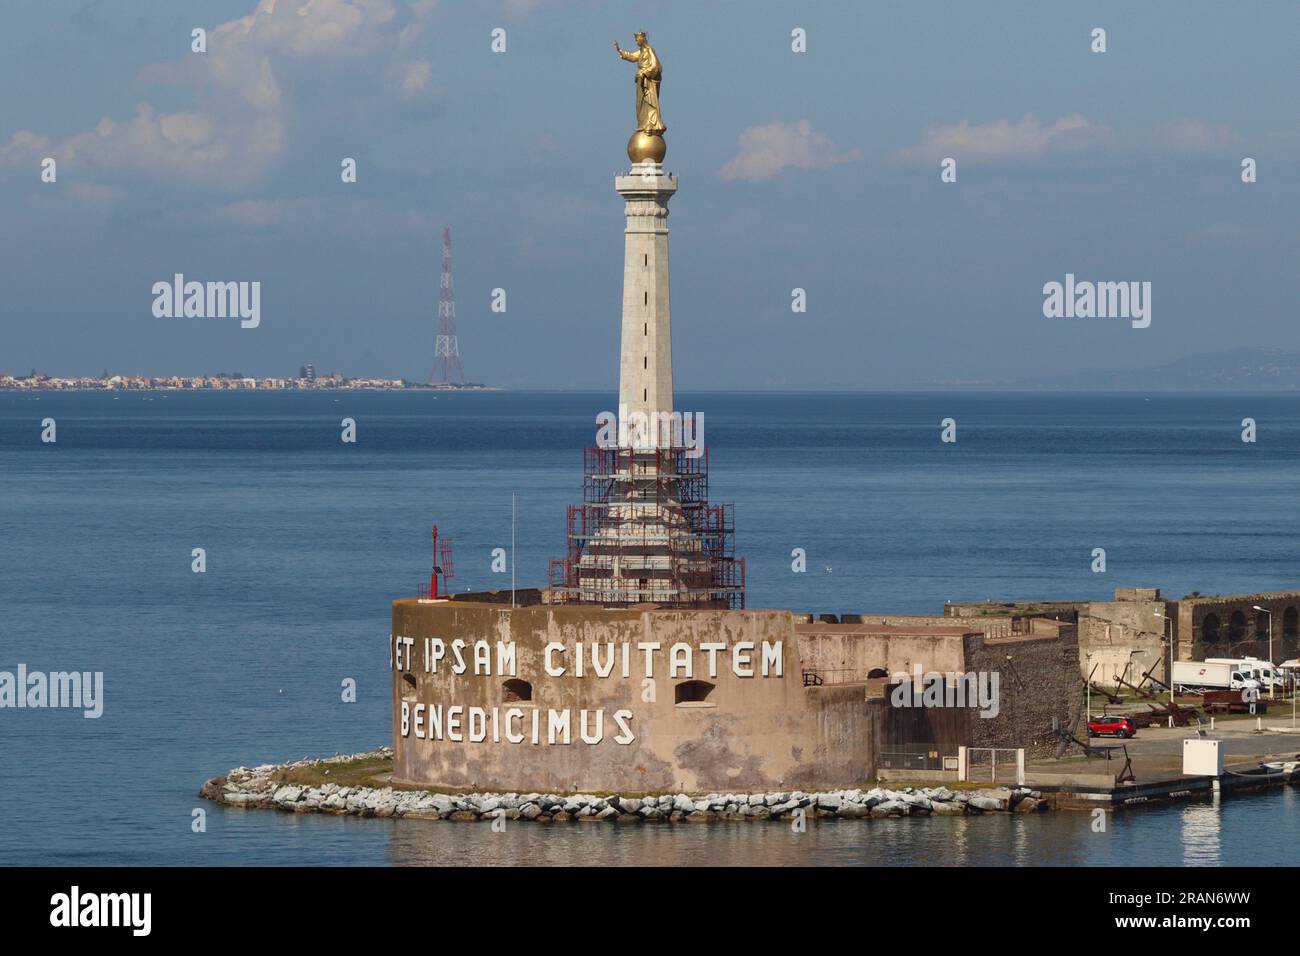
{"x": 307, "y": 379}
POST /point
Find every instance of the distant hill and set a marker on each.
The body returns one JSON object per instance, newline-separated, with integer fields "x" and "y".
{"x": 1249, "y": 368}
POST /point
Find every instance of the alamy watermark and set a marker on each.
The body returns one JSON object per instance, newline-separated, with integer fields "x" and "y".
{"x": 129, "y": 910}
{"x": 209, "y": 300}
{"x": 1102, "y": 300}
{"x": 59, "y": 689}
{"x": 975, "y": 689}
{"x": 651, "y": 430}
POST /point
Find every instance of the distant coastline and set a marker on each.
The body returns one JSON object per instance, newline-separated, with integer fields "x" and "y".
{"x": 220, "y": 383}
{"x": 1261, "y": 368}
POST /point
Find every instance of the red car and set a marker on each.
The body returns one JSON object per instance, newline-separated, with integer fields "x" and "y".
{"x": 1112, "y": 724}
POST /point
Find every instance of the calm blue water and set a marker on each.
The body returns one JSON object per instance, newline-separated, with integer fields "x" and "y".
{"x": 308, "y": 540}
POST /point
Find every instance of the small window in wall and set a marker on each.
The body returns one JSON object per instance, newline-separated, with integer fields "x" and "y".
{"x": 645, "y": 298}
{"x": 645, "y": 394}
{"x": 646, "y": 330}
{"x": 693, "y": 691}
{"x": 645, "y": 362}
{"x": 408, "y": 686}
{"x": 647, "y": 258}
{"x": 877, "y": 672}
{"x": 516, "y": 690}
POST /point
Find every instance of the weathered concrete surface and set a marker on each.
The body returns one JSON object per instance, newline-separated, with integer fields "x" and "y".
{"x": 748, "y": 732}
{"x": 843, "y": 653}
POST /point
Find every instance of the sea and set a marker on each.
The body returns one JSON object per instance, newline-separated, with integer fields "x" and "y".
{"x": 307, "y": 539}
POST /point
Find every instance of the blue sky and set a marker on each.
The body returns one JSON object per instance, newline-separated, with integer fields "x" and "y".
{"x": 817, "y": 170}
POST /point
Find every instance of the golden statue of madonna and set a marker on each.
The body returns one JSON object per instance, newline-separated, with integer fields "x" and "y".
{"x": 647, "y": 142}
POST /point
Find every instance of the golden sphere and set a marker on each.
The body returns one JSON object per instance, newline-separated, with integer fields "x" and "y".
{"x": 643, "y": 146}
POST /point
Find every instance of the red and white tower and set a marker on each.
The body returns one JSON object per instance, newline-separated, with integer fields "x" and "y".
{"x": 446, "y": 349}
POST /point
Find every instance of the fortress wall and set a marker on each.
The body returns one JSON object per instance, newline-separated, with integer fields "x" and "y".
{"x": 1122, "y": 637}
{"x": 848, "y": 653}
{"x": 749, "y": 732}
{"x": 1038, "y": 684}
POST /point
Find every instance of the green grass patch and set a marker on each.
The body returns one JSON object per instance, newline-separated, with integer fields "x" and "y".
{"x": 366, "y": 772}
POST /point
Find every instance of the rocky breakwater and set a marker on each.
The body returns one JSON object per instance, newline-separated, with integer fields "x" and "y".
{"x": 267, "y": 787}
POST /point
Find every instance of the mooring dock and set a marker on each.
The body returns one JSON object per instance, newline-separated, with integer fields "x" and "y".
{"x": 1149, "y": 767}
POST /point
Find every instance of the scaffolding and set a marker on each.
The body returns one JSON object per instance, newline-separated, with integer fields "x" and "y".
{"x": 646, "y": 533}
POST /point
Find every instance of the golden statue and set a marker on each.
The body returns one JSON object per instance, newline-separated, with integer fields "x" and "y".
{"x": 647, "y": 143}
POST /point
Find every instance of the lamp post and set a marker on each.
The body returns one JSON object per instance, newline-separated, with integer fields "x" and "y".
{"x": 1169, "y": 656}
{"x": 1087, "y": 689}
{"x": 1272, "y": 690}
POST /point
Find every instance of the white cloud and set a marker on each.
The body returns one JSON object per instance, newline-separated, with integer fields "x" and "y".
{"x": 25, "y": 146}
{"x": 766, "y": 150}
{"x": 1028, "y": 139}
{"x": 413, "y": 79}
{"x": 238, "y": 126}
{"x": 1004, "y": 139}
{"x": 1196, "y": 136}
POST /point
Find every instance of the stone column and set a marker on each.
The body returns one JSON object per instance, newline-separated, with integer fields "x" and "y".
{"x": 646, "y": 367}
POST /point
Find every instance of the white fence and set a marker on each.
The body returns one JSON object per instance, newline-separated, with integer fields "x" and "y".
{"x": 991, "y": 765}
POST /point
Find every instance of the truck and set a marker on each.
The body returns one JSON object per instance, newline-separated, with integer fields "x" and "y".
{"x": 1199, "y": 676}
{"x": 1262, "y": 671}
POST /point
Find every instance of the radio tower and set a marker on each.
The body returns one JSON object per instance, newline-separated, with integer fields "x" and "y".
{"x": 446, "y": 350}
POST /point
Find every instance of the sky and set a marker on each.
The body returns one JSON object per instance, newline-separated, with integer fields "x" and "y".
{"x": 816, "y": 170}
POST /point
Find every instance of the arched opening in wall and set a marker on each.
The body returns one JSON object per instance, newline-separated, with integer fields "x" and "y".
{"x": 408, "y": 686}
{"x": 1291, "y": 623}
{"x": 515, "y": 690}
{"x": 693, "y": 691}
{"x": 877, "y": 672}
{"x": 1261, "y": 626}
{"x": 1210, "y": 629}
{"x": 1236, "y": 628}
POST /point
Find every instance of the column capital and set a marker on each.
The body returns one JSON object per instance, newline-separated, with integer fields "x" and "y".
{"x": 644, "y": 181}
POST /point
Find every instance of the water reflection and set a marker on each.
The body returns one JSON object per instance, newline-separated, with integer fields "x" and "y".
{"x": 1201, "y": 834}
{"x": 1197, "y": 834}
{"x": 949, "y": 841}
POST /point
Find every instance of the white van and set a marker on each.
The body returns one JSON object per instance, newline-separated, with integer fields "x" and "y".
{"x": 1253, "y": 667}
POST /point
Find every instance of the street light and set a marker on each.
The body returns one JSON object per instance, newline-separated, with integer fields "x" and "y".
{"x": 1169, "y": 660}
{"x": 1272, "y": 690}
